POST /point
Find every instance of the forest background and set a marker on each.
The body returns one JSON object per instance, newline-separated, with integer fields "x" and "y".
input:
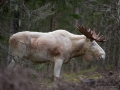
{"x": 49, "y": 15}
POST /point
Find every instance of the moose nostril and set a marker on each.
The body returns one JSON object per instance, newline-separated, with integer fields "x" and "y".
{"x": 102, "y": 57}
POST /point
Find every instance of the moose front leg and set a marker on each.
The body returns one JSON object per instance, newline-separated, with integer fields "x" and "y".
{"x": 57, "y": 68}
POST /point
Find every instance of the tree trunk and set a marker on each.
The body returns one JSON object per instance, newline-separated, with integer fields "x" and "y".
{"x": 76, "y": 12}
{"x": 73, "y": 63}
{"x": 118, "y": 64}
{"x": 52, "y": 24}
{"x": 14, "y": 26}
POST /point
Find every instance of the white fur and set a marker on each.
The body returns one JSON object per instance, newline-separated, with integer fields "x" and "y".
{"x": 59, "y": 46}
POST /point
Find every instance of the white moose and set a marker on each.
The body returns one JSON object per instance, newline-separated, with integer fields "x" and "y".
{"x": 59, "y": 46}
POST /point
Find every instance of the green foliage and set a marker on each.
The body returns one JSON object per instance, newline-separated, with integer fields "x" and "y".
{"x": 85, "y": 72}
{"x": 94, "y": 3}
{"x": 76, "y": 16}
{"x": 110, "y": 66}
{"x": 2, "y": 38}
{"x": 39, "y": 67}
{"x": 33, "y": 4}
{"x": 104, "y": 1}
{"x": 72, "y": 77}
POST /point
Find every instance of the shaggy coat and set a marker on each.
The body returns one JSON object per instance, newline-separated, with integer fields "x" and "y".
{"x": 59, "y": 46}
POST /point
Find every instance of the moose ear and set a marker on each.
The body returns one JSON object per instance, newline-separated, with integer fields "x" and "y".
{"x": 87, "y": 57}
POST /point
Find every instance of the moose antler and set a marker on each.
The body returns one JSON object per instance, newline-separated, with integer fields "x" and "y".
{"x": 2, "y": 2}
{"x": 91, "y": 34}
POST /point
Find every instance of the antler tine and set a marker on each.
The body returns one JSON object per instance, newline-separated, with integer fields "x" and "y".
{"x": 101, "y": 39}
{"x": 91, "y": 31}
{"x": 97, "y": 37}
{"x": 84, "y": 31}
{"x": 78, "y": 26}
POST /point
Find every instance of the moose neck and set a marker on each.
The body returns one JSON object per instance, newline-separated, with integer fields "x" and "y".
{"x": 77, "y": 45}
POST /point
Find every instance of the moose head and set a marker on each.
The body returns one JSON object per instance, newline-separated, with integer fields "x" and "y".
{"x": 91, "y": 48}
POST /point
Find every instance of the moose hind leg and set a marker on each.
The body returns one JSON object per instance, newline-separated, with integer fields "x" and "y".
{"x": 18, "y": 55}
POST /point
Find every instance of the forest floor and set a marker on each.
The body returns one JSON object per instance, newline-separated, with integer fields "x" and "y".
{"x": 28, "y": 79}
{"x": 92, "y": 79}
